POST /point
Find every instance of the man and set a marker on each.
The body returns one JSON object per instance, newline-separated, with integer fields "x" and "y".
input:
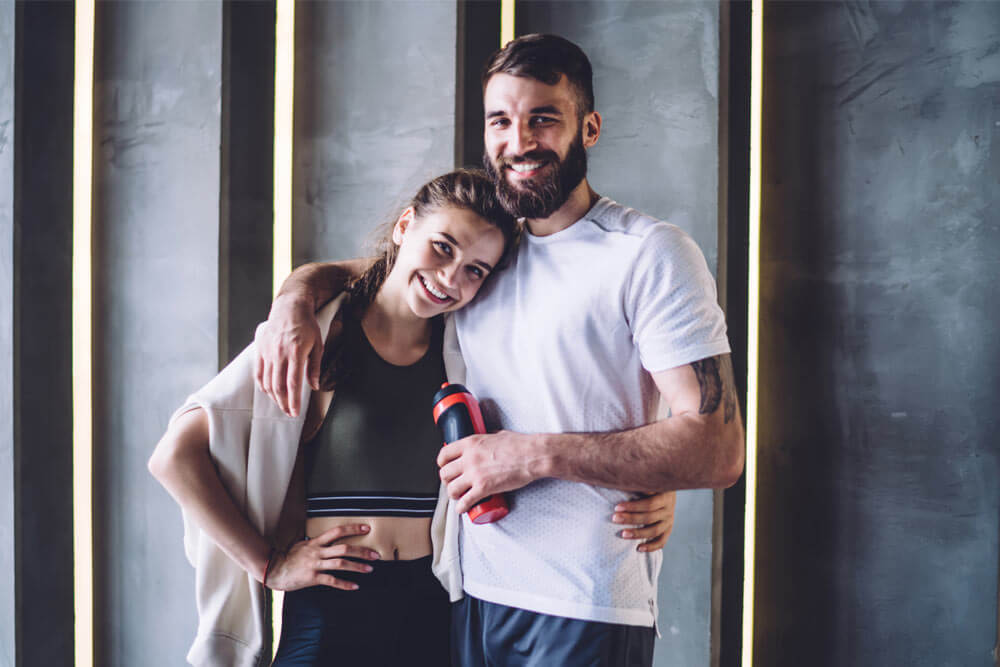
{"x": 603, "y": 312}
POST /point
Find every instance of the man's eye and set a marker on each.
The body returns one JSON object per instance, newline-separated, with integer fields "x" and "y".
{"x": 542, "y": 120}
{"x": 443, "y": 247}
{"x": 499, "y": 122}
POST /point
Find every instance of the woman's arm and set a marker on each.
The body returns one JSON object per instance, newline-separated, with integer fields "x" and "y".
{"x": 182, "y": 464}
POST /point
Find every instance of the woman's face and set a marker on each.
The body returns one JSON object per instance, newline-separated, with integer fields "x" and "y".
{"x": 444, "y": 257}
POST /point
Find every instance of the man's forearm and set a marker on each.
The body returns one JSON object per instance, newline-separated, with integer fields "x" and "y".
{"x": 682, "y": 452}
{"x": 699, "y": 446}
{"x": 312, "y": 285}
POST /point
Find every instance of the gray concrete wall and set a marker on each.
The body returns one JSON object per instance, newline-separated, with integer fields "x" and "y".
{"x": 656, "y": 74}
{"x": 374, "y": 116}
{"x": 879, "y": 457}
{"x": 156, "y": 214}
{"x": 7, "y": 332}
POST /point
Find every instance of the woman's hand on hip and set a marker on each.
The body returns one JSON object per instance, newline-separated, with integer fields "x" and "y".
{"x": 309, "y": 562}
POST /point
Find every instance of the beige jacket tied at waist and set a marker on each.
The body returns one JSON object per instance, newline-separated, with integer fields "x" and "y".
{"x": 254, "y": 446}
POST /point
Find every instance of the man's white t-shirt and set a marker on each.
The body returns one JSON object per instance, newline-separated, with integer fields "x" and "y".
{"x": 565, "y": 340}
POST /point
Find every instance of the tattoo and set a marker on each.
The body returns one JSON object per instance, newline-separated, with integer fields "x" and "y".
{"x": 715, "y": 377}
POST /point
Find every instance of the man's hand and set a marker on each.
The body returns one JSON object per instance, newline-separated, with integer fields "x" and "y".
{"x": 481, "y": 465}
{"x": 651, "y": 519}
{"x": 289, "y": 345}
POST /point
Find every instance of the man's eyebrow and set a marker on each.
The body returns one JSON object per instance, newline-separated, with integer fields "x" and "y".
{"x": 549, "y": 109}
{"x": 475, "y": 261}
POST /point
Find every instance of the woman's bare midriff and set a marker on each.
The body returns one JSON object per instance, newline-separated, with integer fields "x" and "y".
{"x": 393, "y": 537}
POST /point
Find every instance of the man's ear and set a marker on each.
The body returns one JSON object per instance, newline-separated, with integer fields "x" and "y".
{"x": 399, "y": 229}
{"x": 591, "y": 128}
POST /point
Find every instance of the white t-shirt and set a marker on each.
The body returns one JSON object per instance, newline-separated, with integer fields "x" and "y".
{"x": 565, "y": 341}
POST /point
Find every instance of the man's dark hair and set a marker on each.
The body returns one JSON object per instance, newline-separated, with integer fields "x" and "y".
{"x": 546, "y": 58}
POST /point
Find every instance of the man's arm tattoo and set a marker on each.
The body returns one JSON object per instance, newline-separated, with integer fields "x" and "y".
{"x": 715, "y": 377}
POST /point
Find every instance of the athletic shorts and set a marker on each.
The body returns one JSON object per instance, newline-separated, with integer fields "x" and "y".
{"x": 485, "y": 634}
{"x": 398, "y": 616}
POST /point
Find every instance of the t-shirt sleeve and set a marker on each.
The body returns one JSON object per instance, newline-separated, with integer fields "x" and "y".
{"x": 671, "y": 302}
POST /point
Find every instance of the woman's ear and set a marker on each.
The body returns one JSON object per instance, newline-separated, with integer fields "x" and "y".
{"x": 399, "y": 229}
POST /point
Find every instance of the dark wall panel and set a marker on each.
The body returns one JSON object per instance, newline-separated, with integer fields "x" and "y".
{"x": 878, "y": 490}
{"x": 42, "y": 260}
{"x": 656, "y": 80}
{"x": 247, "y": 197}
{"x": 156, "y": 265}
{"x": 478, "y": 37}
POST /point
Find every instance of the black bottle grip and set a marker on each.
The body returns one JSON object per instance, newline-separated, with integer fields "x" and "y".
{"x": 456, "y": 423}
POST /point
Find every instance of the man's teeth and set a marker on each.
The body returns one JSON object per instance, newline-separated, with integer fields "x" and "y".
{"x": 430, "y": 288}
{"x": 522, "y": 167}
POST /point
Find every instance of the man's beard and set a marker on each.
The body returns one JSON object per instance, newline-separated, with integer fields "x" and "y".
{"x": 536, "y": 199}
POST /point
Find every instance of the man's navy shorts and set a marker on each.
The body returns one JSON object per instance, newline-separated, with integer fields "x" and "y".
{"x": 484, "y": 634}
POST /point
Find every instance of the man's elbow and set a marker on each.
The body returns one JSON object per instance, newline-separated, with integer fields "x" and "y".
{"x": 731, "y": 463}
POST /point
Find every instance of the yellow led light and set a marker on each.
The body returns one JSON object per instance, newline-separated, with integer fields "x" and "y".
{"x": 284, "y": 95}
{"x": 83, "y": 530}
{"x": 753, "y": 316}
{"x": 284, "y": 121}
{"x": 506, "y": 21}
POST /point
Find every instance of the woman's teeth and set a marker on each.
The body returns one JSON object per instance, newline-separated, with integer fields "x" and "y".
{"x": 430, "y": 288}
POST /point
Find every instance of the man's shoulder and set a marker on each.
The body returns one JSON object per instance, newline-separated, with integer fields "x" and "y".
{"x": 648, "y": 235}
{"x": 613, "y": 217}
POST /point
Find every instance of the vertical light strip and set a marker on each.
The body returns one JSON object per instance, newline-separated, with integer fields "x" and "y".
{"x": 284, "y": 138}
{"x": 506, "y": 21}
{"x": 284, "y": 94}
{"x": 83, "y": 528}
{"x": 753, "y": 314}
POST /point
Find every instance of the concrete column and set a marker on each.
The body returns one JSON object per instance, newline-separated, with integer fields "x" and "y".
{"x": 42, "y": 138}
{"x": 656, "y": 78}
{"x": 156, "y": 250}
{"x": 374, "y": 116}
{"x": 877, "y": 531}
{"x": 7, "y": 471}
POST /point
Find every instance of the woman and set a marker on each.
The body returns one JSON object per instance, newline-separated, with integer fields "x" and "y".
{"x": 360, "y": 584}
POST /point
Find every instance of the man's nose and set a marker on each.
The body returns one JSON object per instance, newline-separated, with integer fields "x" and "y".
{"x": 523, "y": 140}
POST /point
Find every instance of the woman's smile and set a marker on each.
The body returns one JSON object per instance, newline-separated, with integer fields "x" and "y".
{"x": 436, "y": 295}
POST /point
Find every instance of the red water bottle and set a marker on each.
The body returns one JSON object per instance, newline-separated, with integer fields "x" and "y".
{"x": 457, "y": 414}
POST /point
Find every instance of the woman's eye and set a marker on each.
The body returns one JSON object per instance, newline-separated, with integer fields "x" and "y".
{"x": 443, "y": 248}
{"x": 476, "y": 272}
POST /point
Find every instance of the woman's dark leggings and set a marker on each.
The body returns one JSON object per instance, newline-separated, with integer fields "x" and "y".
{"x": 400, "y": 615}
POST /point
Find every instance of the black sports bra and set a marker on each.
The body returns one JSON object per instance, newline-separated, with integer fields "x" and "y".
{"x": 375, "y": 453}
